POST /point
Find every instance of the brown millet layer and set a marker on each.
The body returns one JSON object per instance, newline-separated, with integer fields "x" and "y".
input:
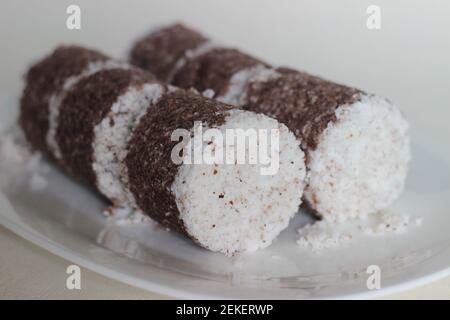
{"x": 305, "y": 103}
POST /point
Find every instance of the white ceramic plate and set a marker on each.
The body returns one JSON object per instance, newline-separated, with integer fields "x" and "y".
{"x": 66, "y": 219}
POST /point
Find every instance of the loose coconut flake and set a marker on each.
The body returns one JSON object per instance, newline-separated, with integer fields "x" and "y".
{"x": 16, "y": 158}
{"x": 326, "y": 234}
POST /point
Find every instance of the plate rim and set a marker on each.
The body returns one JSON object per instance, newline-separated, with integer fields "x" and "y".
{"x": 68, "y": 254}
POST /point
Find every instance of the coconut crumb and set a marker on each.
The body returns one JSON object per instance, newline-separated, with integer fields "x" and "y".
{"x": 322, "y": 235}
{"x": 208, "y": 93}
{"x": 16, "y": 158}
{"x": 329, "y": 234}
{"x": 124, "y": 215}
{"x": 393, "y": 224}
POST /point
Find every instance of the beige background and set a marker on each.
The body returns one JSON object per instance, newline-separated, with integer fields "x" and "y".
{"x": 413, "y": 44}
{"x": 406, "y": 61}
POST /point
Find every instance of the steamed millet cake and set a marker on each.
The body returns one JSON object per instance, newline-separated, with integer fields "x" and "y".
{"x": 44, "y": 79}
{"x": 109, "y": 125}
{"x": 223, "y": 207}
{"x": 356, "y": 144}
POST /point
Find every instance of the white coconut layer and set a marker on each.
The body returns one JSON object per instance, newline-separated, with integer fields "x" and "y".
{"x": 361, "y": 162}
{"x": 189, "y": 55}
{"x": 233, "y": 207}
{"x": 57, "y": 98}
{"x": 238, "y": 84}
{"x": 111, "y": 139}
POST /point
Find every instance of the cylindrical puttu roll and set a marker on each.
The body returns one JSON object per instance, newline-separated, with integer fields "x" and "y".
{"x": 356, "y": 144}
{"x": 111, "y": 127}
{"x": 95, "y": 120}
{"x": 43, "y": 80}
{"x": 164, "y": 48}
{"x": 90, "y": 102}
{"x": 223, "y": 207}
